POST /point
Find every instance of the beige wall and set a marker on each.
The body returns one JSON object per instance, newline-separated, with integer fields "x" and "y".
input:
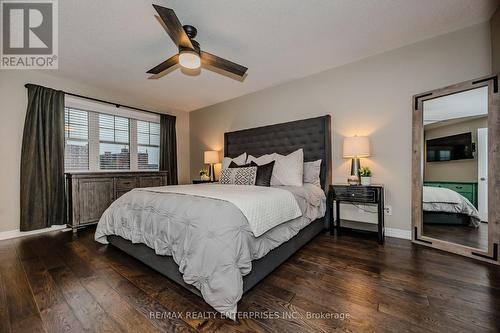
{"x": 369, "y": 97}
{"x": 13, "y": 99}
{"x": 495, "y": 41}
{"x": 454, "y": 171}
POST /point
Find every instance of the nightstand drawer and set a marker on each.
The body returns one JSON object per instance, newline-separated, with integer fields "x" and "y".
{"x": 357, "y": 195}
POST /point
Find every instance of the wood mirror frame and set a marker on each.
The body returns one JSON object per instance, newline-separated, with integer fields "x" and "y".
{"x": 492, "y": 254}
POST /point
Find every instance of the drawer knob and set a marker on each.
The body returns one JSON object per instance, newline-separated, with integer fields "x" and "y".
{"x": 352, "y": 194}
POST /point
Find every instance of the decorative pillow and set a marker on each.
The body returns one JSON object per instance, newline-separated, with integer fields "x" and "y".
{"x": 234, "y": 165}
{"x": 264, "y": 173}
{"x": 289, "y": 169}
{"x": 238, "y": 176}
{"x": 240, "y": 160}
{"x": 311, "y": 172}
{"x": 264, "y": 159}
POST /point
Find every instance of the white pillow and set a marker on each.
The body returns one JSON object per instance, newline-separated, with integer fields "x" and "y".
{"x": 311, "y": 172}
{"x": 240, "y": 160}
{"x": 289, "y": 169}
{"x": 264, "y": 159}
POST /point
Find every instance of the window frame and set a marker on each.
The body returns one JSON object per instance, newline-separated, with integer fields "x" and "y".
{"x": 68, "y": 137}
{"x": 150, "y": 145}
{"x": 93, "y": 110}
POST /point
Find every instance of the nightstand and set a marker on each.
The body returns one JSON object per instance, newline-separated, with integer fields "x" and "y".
{"x": 357, "y": 194}
{"x": 199, "y": 181}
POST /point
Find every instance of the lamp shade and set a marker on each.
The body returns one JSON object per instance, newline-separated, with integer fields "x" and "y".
{"x": 211, "y": 157}
{"x": 356, "y": 146}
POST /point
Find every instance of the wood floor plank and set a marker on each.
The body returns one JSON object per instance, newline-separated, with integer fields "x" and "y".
{"x": 85, "y": 308}
{"x": 398, "y": 287}
{"x": 21, "y": 306}
{"x": 122, "y": 313}
{"x": 4, "y": 308}
{"x": 56, "y": 314}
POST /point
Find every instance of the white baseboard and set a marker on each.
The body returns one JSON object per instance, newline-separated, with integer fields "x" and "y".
{"x": 398, "y": 233}
{"x": 17, "y": 233}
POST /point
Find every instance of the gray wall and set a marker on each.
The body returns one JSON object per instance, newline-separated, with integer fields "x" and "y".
{"x": 495, "y": 41}
{"x": 13, "y": 101}
{"x": 454, "y": 171}
{"x": 369, "y": 97}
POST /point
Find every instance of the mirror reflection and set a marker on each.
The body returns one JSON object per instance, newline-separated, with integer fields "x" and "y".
{"x": 455, "y": 193}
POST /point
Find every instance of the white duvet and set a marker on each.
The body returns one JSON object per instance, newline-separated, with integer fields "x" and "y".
{"x": 210, "y": 239}
{"x": 264, "y": 207}
{"x": 439, "y": 199}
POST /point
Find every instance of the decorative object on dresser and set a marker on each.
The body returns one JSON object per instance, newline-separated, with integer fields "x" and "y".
{"x": 354, "y": 148}
{"x": 89, "y": 194}
{"x": 211, "y": 157}
{"x": 204, "y": 175}
{"x": 365, "y": 173}
{"x": 371, "y": 195}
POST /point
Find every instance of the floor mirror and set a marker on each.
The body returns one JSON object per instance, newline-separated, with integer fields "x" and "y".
{"x": 455, "y": 169}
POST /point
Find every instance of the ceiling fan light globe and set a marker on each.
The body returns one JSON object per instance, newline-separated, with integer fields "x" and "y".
{"x": 189, "y": 59}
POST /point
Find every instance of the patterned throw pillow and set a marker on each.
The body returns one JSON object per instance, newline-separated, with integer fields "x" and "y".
{"x": 238, "y": 176}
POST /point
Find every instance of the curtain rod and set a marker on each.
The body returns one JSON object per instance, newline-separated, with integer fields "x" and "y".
{"x": 107, "y": 102}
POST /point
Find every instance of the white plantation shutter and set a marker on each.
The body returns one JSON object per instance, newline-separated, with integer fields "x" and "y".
{"x": 76, "y": 140}
{"x": 105, "y": 138}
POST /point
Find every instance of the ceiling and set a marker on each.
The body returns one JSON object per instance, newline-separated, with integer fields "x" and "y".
{"x": 112, "y": 43}
{"x": 470, "y": 103}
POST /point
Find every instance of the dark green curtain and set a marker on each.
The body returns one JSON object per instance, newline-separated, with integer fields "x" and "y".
{"x": 168, "y": 148}
{"x": 42, "y": 160}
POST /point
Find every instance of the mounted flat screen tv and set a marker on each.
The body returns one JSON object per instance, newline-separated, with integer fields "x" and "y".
{"x": 450, "y": 148}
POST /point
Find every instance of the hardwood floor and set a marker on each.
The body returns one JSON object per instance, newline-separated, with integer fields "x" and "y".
{"x": 60, "y": 282}
{"x": 459, "y": 234}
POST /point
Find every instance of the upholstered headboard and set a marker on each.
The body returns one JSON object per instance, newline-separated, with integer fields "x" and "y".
{"x": 313, "y": 135}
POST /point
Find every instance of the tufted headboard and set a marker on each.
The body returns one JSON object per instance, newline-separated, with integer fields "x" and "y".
{"x": 313, "y": 135}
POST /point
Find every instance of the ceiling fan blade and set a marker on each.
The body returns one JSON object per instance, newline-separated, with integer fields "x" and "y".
{"x": 229, "y": 66}
{"x": 172, "y": 61}
{"x": 174, "y": 27}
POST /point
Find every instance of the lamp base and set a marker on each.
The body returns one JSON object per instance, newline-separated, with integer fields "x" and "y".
{"x": 211, "y": 172}
{"x": 354, "y": 179}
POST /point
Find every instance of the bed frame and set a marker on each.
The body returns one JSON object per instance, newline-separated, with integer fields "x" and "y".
{"x": 445, "y": 218}
{"x": 314, "y": 136}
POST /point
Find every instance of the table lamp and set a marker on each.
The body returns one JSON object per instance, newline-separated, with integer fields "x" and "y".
{"x": 211, "y": 157}
{"x": 354, "y": 148}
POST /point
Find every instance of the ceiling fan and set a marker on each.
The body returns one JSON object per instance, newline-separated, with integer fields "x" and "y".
{"x": 190, "y": 55}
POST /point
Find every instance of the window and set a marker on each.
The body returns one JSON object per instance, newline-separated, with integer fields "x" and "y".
{"x": 148, "y": 145}
{"x": 100, "y": 137}
{"x": 76, "y": 139}
{"x": 114, "y": 152}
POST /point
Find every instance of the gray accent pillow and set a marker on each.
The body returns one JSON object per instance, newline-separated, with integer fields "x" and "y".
{"x": 311, "y": 172}
{"x": 238, "y": 176}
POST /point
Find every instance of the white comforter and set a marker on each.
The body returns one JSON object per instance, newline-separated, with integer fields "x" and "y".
{"x": 264, "y": 207}
{"x": 439, "y": 199}
{"x": 210, "y": 239}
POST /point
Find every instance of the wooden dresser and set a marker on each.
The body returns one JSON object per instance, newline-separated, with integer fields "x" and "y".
{"x": 466, "y": 189}
{"x": 89, "y": 194}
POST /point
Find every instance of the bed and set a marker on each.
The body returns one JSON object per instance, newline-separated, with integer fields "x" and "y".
{"x": 314, "y": 137}
{"x": 445, "y": 206}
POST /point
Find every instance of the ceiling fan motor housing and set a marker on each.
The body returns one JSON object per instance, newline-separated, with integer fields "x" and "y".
{"x": 191, "y": 32}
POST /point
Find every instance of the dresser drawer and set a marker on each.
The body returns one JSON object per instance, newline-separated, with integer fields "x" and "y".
{"x": 355, "y": 194}
{"x": 126, "y": 183}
